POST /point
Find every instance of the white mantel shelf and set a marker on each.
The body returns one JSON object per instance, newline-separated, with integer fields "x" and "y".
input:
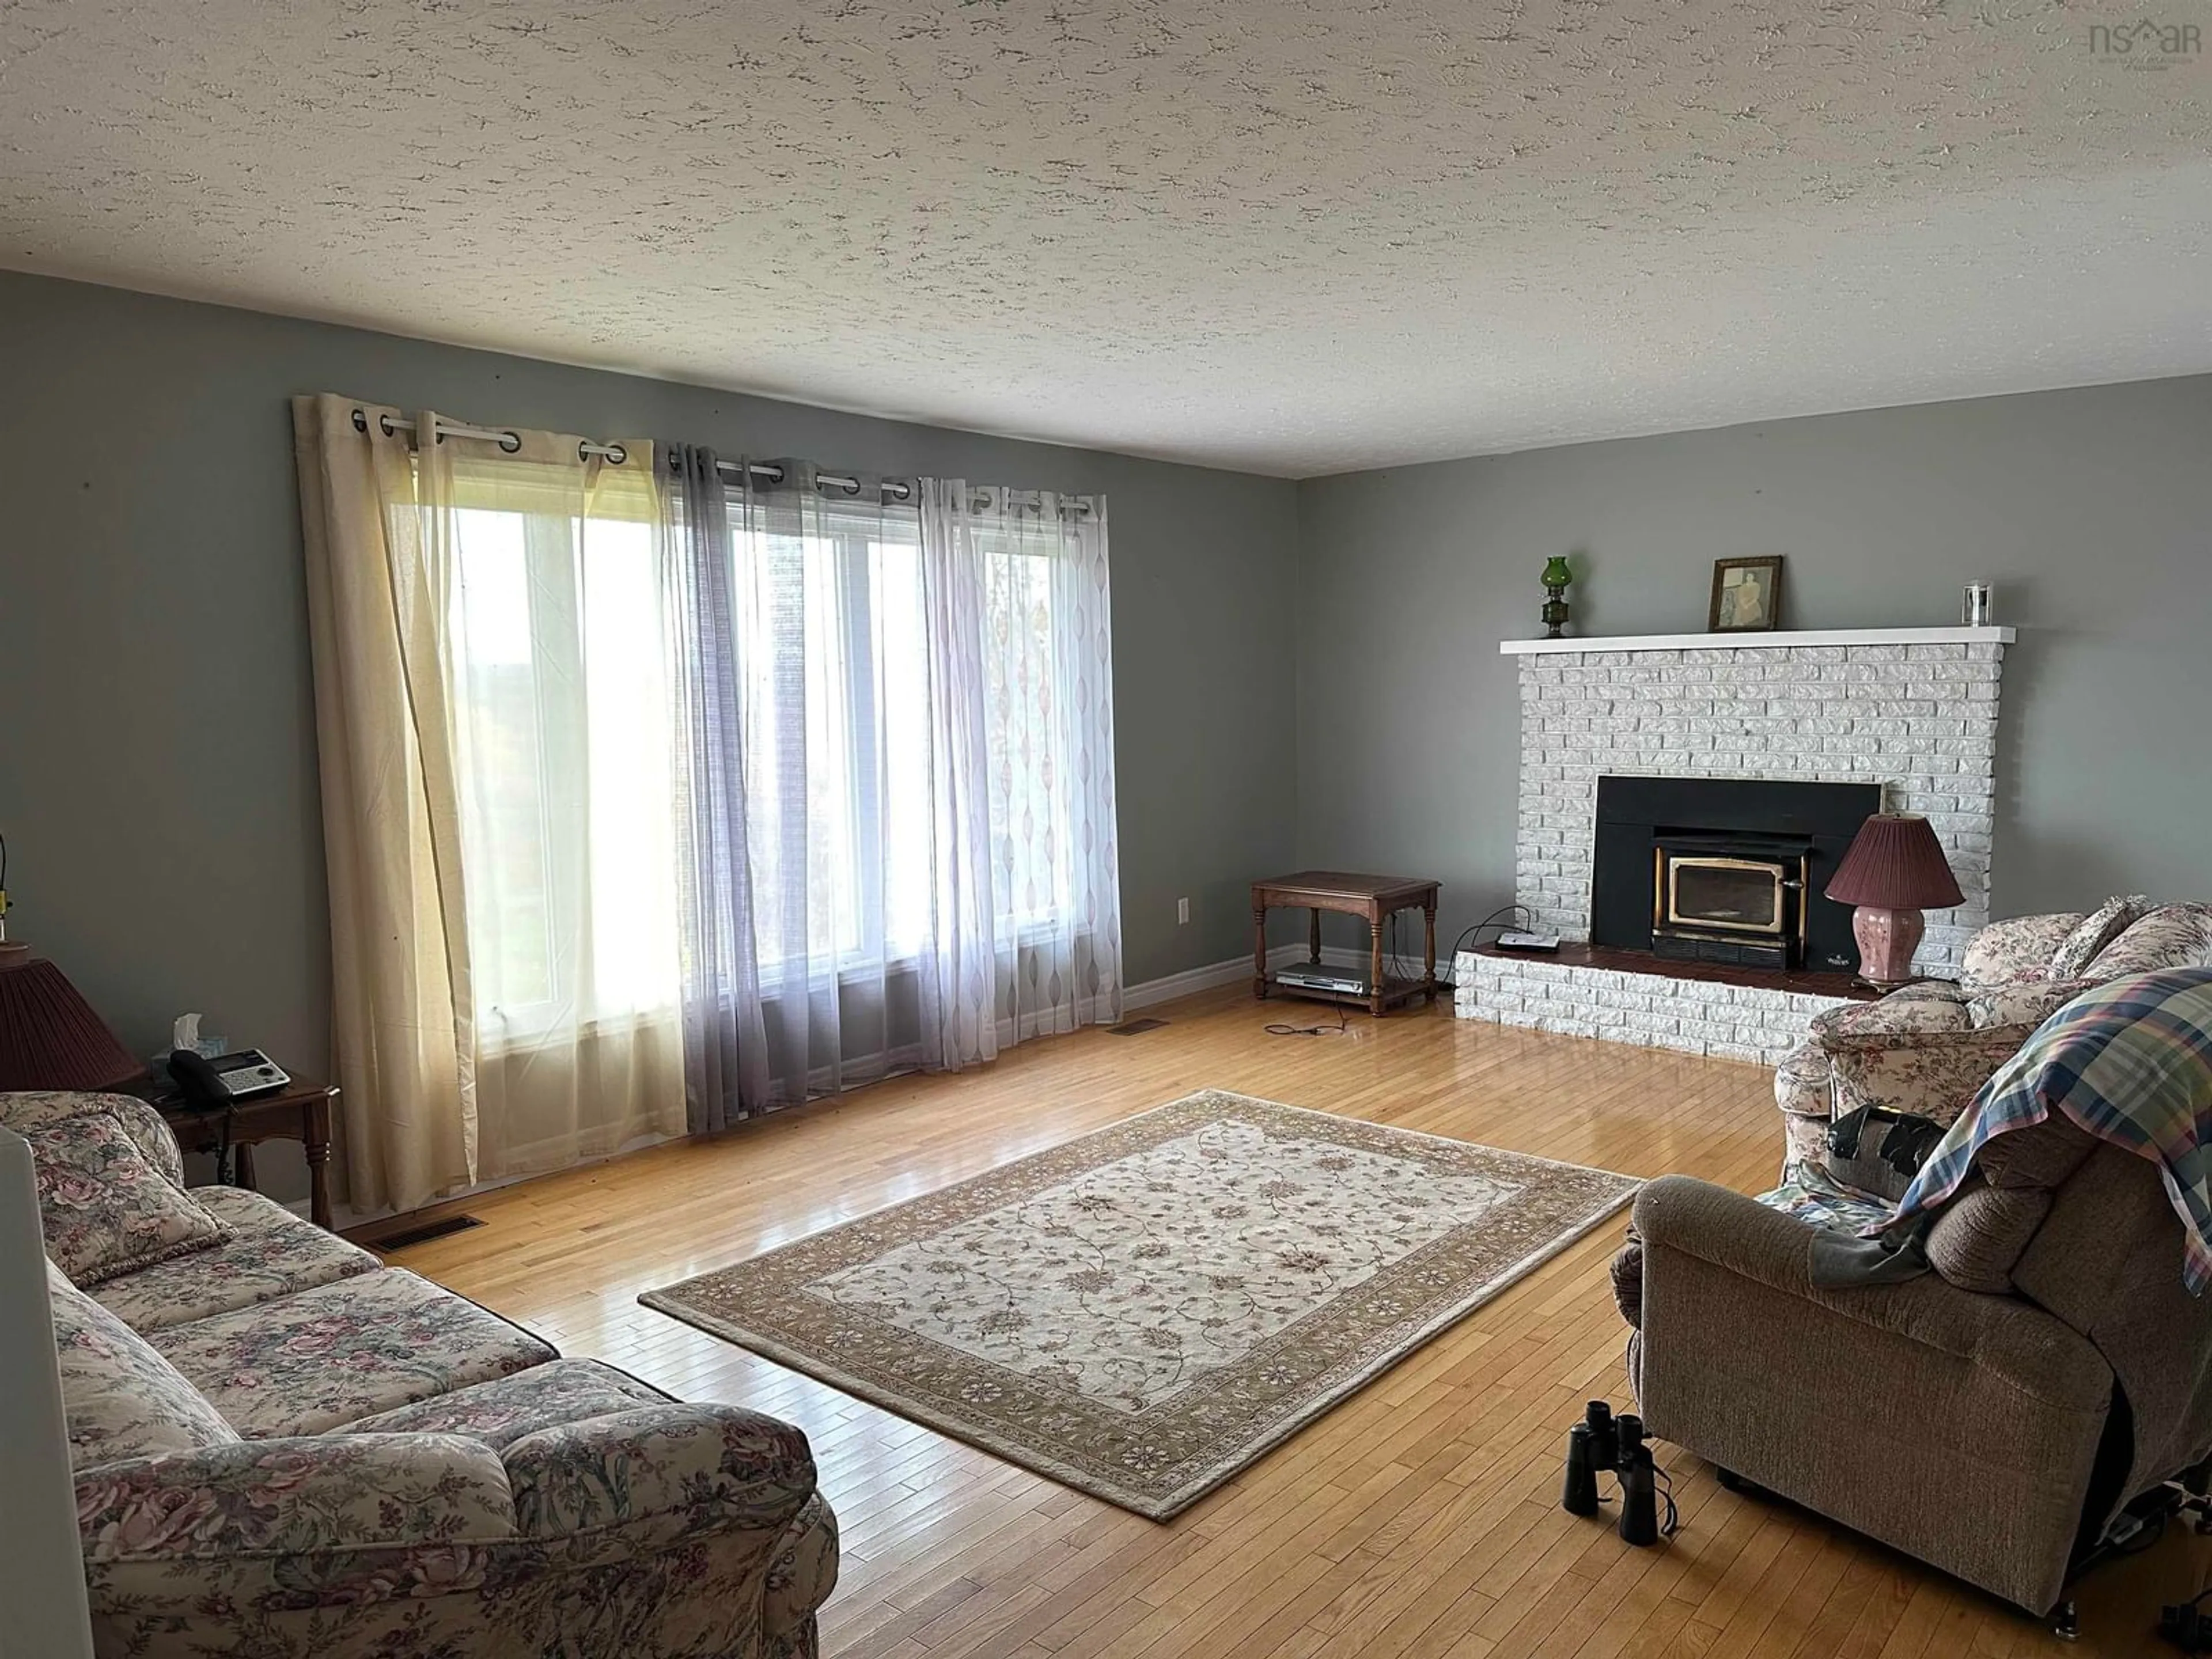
{"x": 1776, "y": 641}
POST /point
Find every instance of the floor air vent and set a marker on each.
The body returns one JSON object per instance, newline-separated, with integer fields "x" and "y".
{"x": 1132, "y": 1027}
{"x": 425, "y": 1233}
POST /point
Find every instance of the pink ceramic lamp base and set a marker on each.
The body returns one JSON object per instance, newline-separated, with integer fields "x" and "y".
{"x": 1887, "y": 940}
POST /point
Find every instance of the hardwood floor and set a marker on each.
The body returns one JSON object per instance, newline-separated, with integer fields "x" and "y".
{"x": 1419, "y": 1519}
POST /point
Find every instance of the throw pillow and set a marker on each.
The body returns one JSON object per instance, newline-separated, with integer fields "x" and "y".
{"x": 105, "y": 1208}
{"x": 2172, "y": 936}
{"x": 2098, "y": 929}
{"x": 34, "y": 1109}
{"x": 1981, "y": 1234}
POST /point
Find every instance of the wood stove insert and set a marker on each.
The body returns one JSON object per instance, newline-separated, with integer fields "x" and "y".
{"x": 1726, "y": 869}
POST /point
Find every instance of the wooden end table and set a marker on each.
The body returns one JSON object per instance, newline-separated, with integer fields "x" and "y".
{"x": 299, "y": 1111}
{"x": 1376, "y": 898}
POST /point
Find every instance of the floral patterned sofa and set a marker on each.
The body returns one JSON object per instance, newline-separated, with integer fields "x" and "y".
{"x": 1928, "y": 1048}
{"x": 282, "y": 1447}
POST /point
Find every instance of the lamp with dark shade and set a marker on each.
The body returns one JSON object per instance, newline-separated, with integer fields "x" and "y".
{"x": 50, "y": 1038}
{"x": 1895, "y": 870}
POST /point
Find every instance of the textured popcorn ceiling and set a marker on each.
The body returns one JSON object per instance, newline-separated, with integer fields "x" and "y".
{"x": 1295, "y": 237}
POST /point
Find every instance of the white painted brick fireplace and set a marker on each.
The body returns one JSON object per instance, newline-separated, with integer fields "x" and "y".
{"x": 1914, "y": 710}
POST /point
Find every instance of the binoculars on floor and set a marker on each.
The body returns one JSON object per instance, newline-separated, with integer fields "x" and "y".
{"x": 1602, "y": 1441}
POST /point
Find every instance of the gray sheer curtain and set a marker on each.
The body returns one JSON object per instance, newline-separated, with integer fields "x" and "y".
{"x": 814, "y": 875}
{"x": 724, "y": 1041}
{"x": 839, "y": 770}
{"x": 897, "y": 803}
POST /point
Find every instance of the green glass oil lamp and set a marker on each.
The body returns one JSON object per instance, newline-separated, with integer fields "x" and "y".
{"x": 1556, "y": 578}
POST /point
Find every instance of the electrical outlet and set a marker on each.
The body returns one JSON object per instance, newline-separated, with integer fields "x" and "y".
{"x": 1182, "y": 911}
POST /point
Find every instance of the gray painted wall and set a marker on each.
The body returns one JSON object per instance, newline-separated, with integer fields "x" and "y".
{"x": 157, "y": 774}
{"x": 158, "y": 789}
{"x": 2087, "y": 509}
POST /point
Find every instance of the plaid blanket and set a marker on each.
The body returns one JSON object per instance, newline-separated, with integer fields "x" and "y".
{"x": 2131, "y": 1063}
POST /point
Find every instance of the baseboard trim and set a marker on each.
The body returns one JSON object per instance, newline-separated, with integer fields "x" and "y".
{"x": 1214, "y": 976}
{"x": 1150, "y": 994}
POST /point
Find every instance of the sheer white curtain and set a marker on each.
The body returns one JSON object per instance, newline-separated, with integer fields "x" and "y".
{"x": 494, "y": 716}
{"x": 563, "y": 719}
{"x": 1031, "y": 625}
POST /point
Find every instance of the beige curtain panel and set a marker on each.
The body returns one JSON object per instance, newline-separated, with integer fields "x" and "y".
{"x": 492, "y": 714}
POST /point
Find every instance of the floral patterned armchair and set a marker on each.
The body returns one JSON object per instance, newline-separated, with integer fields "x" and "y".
{"x": 1927, "y": 1048}
{"x": 283, "y": 1448}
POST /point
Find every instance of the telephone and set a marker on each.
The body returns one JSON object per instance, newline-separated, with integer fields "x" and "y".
{"x": 210, "y": 1084}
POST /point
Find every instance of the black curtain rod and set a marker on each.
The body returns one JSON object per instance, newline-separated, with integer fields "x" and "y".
{"x": 774, "y": 474}
{"x": 510, "y": 442}
{"x": 892, "y": 487}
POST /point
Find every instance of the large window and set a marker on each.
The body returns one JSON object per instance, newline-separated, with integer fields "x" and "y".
{"x": 843, "y": 762}
{"x": 830, "y": 649}
{"x": 664, "y": 788}
{"x": 1025, "y": 733}
{"x": 562, "y": 719}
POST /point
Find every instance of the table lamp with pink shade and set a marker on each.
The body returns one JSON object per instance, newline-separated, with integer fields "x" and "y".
{"x": 1895, "y": 869}
{"x": 49, "y": 1038}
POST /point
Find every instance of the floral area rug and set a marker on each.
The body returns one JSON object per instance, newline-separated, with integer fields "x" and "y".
{"x": 1142, "y": 1312}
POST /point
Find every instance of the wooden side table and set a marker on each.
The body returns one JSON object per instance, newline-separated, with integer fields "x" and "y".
{"x": 299, "y": 1111}
{"x": 1376, "y": 898}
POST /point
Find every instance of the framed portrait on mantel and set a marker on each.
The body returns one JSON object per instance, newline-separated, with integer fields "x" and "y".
{"x": 1746, "y": 595}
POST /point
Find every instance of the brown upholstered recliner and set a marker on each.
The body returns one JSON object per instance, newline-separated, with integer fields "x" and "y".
{"x": 1986, "y": 1417}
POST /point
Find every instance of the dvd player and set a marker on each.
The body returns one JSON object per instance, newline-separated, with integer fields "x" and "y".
{"x": 1312, "y": 976}
{"x": 1517, "y": 940}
